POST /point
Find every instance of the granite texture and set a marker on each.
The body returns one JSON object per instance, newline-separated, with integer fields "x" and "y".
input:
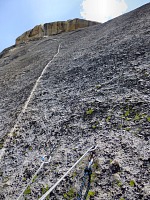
{"x": 95, "y": 89}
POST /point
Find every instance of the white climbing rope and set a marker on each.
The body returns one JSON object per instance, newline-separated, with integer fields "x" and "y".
{"x": 2, "y": 151}
{"x": 33, "y": 90}
{"x": 43, "y": 162}
{"x": 55, "y": 185}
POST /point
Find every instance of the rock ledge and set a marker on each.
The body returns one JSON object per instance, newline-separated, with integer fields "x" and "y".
{"x": 53, "y": 28}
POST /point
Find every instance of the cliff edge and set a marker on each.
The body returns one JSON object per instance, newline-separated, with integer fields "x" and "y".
{"x": 53, "y": 28}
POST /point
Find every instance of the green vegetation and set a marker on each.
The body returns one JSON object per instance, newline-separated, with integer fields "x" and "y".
{"x": 14, "y": 141}
{"x": 144, "y": 115}
{"x": 91, "y": 194}
{"x": 119, "y": 183}
{"x": 34, "y": 178}
{"x": 128, "y": 129}
{"x": 30, "y": 148}
{"x": 110, "y": 161}
{"x": 108, "y": 119}
{"x": 98, "y": 86}
{"x": 148, "y": 118}
{"x": 94, "y": 168}
{"x": 65, "y": 196}
{"x": 128, "y": 119}
{"x": 1, "y": 145}
{"x": 44, "y": 190}
{"x": 132, "y": 183}
{"x": 70, "y": 194}
{"x": 93, "y": 177}
{"x": 94, "y": 126}
{"x": 127, "y": 113}
{"x": 14, "y": 134}
{"x": 74, "y": 174}
{"x": 137, "y": 117}
{"x": 131, "y": 114}
{"x": 120, "y": 126}
{"x": 95, "y": 165}
{"x": 122, "y": 198}
{"x": 89, "y": 111}
{"x": 27, "y": 191}
{"x": 24, "y": 179}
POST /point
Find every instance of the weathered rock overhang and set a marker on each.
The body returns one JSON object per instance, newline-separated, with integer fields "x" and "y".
{"x": 53, "y": 28}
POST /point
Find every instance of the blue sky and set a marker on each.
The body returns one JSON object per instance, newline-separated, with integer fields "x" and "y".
{"x": 18, "y": 16}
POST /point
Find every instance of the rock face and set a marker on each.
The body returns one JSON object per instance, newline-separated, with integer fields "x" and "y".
{"x": 74, "y": 90}
{"x": 54, "y": 28}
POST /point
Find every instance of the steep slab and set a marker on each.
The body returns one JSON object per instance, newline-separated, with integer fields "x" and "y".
{"x": 97, "y": 90}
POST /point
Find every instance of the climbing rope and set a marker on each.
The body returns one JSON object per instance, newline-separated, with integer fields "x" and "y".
{"x": 87, "y": 175}
{"x": 55, "y": 185}
{"x": 29, "y": 99}
{"x": 44, "y": 161}
{"x": 86, "y": 179}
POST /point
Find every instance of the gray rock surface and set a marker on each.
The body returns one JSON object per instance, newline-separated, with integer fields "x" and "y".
{"x": 95, "y": 90}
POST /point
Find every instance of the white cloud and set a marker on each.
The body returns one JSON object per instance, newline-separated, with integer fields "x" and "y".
{"x": 102, "y": 10}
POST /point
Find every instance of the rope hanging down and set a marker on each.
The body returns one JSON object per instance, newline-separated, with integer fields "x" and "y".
{"x": 86, "y": 178}
{"x": 55, "y": 185}
{"x": 43, "y": 160}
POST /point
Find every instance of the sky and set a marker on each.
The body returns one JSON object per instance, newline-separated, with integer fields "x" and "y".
{"x": 18, "y": 16}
